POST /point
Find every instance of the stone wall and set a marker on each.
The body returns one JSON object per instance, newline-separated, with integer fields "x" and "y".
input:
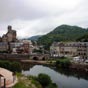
{"x": 23, "y": 57}
{"x": 14, "y": 56}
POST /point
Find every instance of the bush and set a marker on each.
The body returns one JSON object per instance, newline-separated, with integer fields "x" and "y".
{"x": 37, "y": 51}
{"x": 12, "y": 66}
{"x": 64, "y": 63}
{"x": 34, "y": 80}
{"x": 44, "y": 79}
{"x": 32, "y": 77}
{"x": 16, "y": 67}
{"x": 52, "y": 85}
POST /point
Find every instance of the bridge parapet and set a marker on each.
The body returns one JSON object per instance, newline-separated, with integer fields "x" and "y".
{"x": 39, "y": 56}
{"x": 24, "y": 56}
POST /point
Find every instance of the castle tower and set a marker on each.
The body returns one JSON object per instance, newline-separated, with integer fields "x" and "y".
{"x": 11, "y": 34}
{"x": 9, "y": 28}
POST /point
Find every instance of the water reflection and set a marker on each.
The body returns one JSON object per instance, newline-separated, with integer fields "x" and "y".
{"x": 62, "y": 77}
{"x": 73, "y": 73}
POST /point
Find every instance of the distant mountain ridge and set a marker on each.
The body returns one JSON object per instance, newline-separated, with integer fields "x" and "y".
{"x": 35, "y": 38}
{"x": 63, "y": 33}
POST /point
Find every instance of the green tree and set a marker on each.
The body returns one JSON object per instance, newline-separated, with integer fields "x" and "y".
{"x": 44, "y": 79}
{"x": 12, "y": 66}
{"x": 52, "y": 85}
{"x": 64, "y": 63}
{"x": 62, "y": 33}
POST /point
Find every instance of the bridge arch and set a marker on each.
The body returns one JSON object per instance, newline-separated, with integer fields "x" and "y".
{"x": 44, "y": 58}
{"x": 35, "y": 58}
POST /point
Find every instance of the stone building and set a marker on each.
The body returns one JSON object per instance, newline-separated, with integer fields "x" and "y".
{"x": 70, "y": 49}
{"x": 27, "y": 46}
{"x": 10, "y": 44}
{"x": 23, "y": 46}
{"x": 6, "y": 78}
{"x": 0, "y": 39}
{"x": 10, "y": 36}
{"x": 82, "y": 50}
{"x": 6, "y": 39}
{"x": 3, "y": 46}
{"x": 16, "y": 47}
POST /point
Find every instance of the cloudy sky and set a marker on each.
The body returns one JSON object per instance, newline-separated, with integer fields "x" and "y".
{"x": 36, "y": 17}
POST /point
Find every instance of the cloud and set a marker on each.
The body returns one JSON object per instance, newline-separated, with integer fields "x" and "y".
{"x": 31, "y": 9}
{"x": 34, "y": 17}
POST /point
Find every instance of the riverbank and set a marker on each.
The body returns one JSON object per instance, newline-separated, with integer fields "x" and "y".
{"x": 40, "y": 62}
{"x": 76, "y": 66}
{"x": 40, "y": 81}
{"x": 79, "y": 67}
{"x": 64, "y": 78}
{"x": 25, "y": 82}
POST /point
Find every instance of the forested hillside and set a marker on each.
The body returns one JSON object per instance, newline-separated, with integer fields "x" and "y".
{"x": 63, "y": 33}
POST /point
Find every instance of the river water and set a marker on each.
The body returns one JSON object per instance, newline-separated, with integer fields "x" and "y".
{"x": 63, "y": 78}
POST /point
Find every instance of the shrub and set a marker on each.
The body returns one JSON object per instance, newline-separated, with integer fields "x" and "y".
{"x": 44, "y": 79}
{"x": 16, "y": 67}
{"x": 52, "y": 85}
{"x": 64, "y": 63}
{"x": 32, "y": 77}
{"x": 12, "y": 66}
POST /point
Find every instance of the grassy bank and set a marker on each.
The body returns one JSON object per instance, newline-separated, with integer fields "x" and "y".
{"x": 40, "y": 81}
{"x": 25, "y": 82}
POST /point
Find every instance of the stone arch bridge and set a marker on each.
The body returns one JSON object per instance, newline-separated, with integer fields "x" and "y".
{"x": 19, "y": 57}
{"x": 39, "y": 57}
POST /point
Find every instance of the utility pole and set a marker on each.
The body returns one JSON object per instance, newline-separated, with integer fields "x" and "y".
{"x": 0, "y": 81}
{"x": 4, "y": 83}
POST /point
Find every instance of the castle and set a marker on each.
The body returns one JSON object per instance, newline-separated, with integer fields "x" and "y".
{"x": 10, "y": 44}
{"x": 10, "y": 36}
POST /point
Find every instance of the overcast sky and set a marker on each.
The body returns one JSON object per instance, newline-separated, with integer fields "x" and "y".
{"x": 37, "y": 17}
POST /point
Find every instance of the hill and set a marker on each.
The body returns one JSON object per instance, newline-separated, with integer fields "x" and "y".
{"x": 83, "y": 38}
{"x": 35, "y": 38}
{"x": 63, "y": 33}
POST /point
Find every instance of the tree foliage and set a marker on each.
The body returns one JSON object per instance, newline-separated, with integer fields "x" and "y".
{"x": 62, "y": 33}
{"x": 52, "y": 85}
{"x": 63, "y": 62}
{"x": 83, "y": 38}
{"x": 12, "y": 66}
{"x": 44, "y": 79}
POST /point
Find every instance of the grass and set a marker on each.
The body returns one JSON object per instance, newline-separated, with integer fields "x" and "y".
{"x": 34, "y": 81}
{"x": 20, "y": 85}
{"x": 26, "y": 82}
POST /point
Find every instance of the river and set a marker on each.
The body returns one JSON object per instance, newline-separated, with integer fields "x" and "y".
{"x": 63, "y": 78}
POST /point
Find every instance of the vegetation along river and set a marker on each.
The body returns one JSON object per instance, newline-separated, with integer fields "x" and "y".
{"x": 63, "y": 78}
